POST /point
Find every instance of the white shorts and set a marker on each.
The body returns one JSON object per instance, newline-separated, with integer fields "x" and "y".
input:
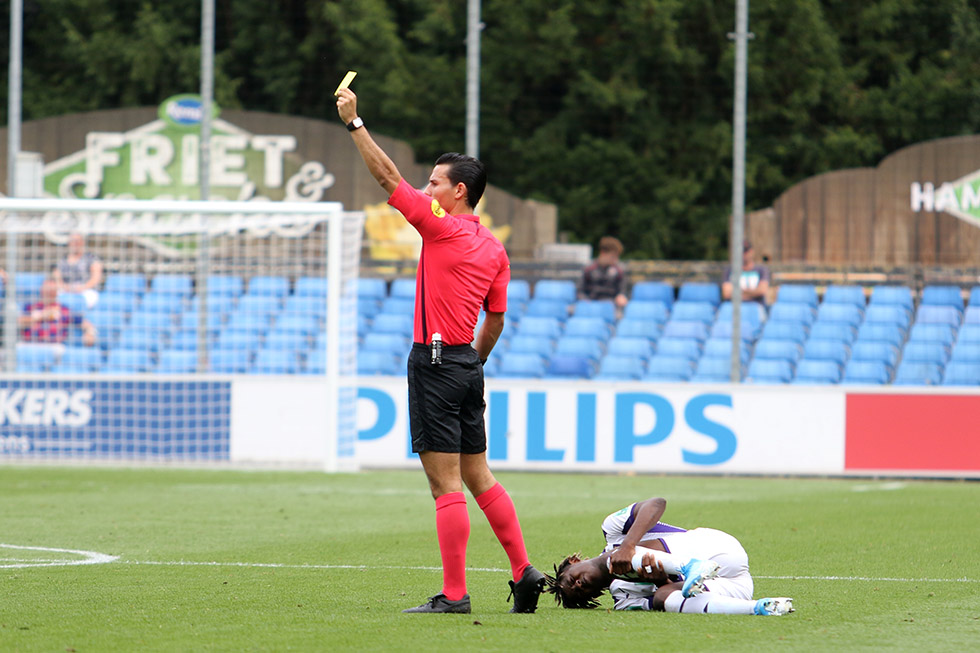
{"x": 733, "y": 579}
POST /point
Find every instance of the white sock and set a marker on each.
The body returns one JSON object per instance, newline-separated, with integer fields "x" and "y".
{"x": 708, "y": 603}
{"x": 672, "y": 564}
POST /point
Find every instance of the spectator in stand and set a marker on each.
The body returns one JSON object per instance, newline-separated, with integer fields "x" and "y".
{"x": 605, "y": 277}
{"x": 80, "y": 271}
{"x": 48, "y": 322}
{"x": 754, "y": 280}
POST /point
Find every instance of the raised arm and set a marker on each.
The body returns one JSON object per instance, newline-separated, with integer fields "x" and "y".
{"x": 648, "y": 513}
{"x": 379, "y": 164}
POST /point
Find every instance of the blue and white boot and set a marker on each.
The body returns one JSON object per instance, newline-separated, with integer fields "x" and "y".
{"x": 695, "y": 572}
{"x": 776, "y": 607}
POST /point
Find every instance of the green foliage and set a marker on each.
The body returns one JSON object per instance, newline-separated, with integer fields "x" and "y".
{"x": 620, "y": 112}
{"x": 279, "y": 561}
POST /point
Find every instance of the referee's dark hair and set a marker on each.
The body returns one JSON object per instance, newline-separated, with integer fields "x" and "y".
{"x": 470, "y": 171}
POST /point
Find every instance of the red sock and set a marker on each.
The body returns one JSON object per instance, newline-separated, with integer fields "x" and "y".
{"x": 497, "y": 505}
{"x": 453, "y": 528}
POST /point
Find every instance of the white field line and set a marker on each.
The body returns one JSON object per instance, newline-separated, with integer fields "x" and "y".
{"x": 93, "y": 558}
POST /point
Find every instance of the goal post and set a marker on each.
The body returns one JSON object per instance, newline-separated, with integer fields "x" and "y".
{"x": 195, "y": 299}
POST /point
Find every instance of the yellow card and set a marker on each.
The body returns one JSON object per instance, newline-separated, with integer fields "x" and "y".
{"x": 348, "y": 78}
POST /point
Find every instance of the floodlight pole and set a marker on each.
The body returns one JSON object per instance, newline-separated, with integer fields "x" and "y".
{"x": 473, "y": 28}
{"x": 204, "y": 170}
{"x": 741, "y": 37}
{"x": 14, "y": 84}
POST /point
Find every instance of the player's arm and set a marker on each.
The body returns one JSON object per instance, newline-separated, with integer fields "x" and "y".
{"x": 381, "y": 167}
{"x": 647, "y": 514}
{"x": 493, "y": 325}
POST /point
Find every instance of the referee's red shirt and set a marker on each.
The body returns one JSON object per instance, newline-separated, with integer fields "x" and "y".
{"x": 462, "y": 268}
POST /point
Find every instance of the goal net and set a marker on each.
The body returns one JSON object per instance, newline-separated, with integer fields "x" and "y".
{"x": 179, "y": 331}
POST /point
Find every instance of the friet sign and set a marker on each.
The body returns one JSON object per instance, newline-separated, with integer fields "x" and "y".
{"x": 161, "y": 160}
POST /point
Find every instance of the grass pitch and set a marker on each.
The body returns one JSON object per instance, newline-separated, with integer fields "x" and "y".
{"x": 281, "y": 561}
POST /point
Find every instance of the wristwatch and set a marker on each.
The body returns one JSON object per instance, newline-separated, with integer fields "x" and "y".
{"x": 356, "y": 123}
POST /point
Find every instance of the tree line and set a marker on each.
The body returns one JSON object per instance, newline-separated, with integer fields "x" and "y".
{"x": 618, "y": 111}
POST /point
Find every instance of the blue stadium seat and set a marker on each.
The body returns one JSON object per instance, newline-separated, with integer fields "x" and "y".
{"x": 630, "y": 346}
{"x": 769, "y": 371}
{"x": 240, "y": 339}
{"x": 186, "y": 339}
{"x": 268, "y": 286}
{"x": 653, "y": 291}
{"x": 798, "y": 294}
{"x": 559, "y": 290}
{"x": 521, "y": 365}
{"x": 174, "y": 284}
{"x": 294, "y": 341}
{"x": 161, "y": 302}
{"x": 316, "y": 362}
{"x": 715, "y": 370}
{"x": 79, "y": 360}
{"x": 261, "y": 307}
{"x": 127, "y": 361}
{"x": 224, "y": 285}
{"x": 36, "y": 357}
{"x": 748, "y": 332}
{"x": 795, "y": 331}
{"x": 230, "y": 361}
{"x": 147, "y": 340}
{"x": 848, "y": 314}
{"x": 693, "y": 291}
{"x": 916, "y": 373}
{"x": 125, "y": 283}
{"x": 307, "y": 305}
{"x": 888, "y": 314}
{"x": 785, "y": 350}
{"x": 920, "y": 351}
{"x": 832, "y": 331}
{"x": 686, "y": 329}
{"x": 524, "y": 344}
{"x": 933, "y": 314}
{"x": 969, "y": 333}
{"x": 752, "y": 313}
{"x": 892, "y": 295}
{"x": 403, "y": 288}
{"x": 108, "y": 326}
{"x": 174, "y": 361}
{"x": 221, "y": 304}
{"x": 942, "y": 296}
{"x": 668, "y": 368}
{"x": 518, "y": 291}
{"x": 156, "y": 322}
{"x": 275, "y": 361}
{"x": 29, "y": 285}
{"x": 638, "y": 328}
{"x": 866, "y": 372}
{"x": 394, "y": 343}
{"x": 835, "y": 351}
{"x": 972, "y": 314}
{"x": 722, "y": 348}
{"x": 371, "y": 289}
{"x": 368, "y": 308}
{"x": 792, "y": 313}
{"x": 593, "y": 327}
{"x": 311, "y": 287}
{"x": 865, "y": 350}
{"x": 647, "y": 310}
{"x": 579, "y": 346}
{"x": 539, "y": 307}
{"x": 308, "y": 325}
{"x": 404, "y": 305}
{"x": 570, "y": 366}
{"x": 818, "y": 372}
{"x": 616, "y": 367}
{"x": 74, "y": 302}
{"x": 694, "y": 312}
{"x": 115, "y": 302}
{"x": 966, "y": 351}
{"x": 890, "y": 333}
{"x": 254, "y": 323}
{"x": 532, "y": 325}
{"x": 604, "y": 309}
{"x": 689, "y": 348}
{"x": 853, "y": 295}
{"x": 962, "y": 373}
{"x": 933, "y": 333}
{"x": 393, "y": 323}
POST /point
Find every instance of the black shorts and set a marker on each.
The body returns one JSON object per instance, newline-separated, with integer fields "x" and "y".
{"x": 445, "y": 402}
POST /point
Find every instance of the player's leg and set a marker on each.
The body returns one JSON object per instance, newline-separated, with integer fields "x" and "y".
{"x": 669, "y": 598}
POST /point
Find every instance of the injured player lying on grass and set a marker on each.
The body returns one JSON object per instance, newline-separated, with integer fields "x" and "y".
{"x": 650, "y": 565}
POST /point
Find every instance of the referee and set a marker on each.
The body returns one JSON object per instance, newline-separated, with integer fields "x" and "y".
{"x": 462, "y": 268}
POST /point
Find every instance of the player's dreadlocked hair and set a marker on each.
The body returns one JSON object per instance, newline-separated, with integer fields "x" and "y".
{"x": 561, "y": 597}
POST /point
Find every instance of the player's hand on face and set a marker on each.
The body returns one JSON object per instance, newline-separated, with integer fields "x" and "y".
{"x": 621, "y": 561}
{"x": 347, "y": 105}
